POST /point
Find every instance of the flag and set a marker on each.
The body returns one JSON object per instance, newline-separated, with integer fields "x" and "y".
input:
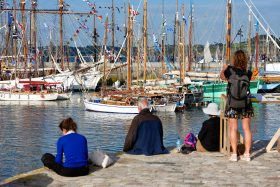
{"x": 75, "y": 35}
{"x": 155, "y": 39}
{"x": 168, "y": 28}
{"x": 100, "y": 17}
{"x": 20, "y": 25}
{"x": 184, "y": 19}
{"x": 38, "y": 51}
{"x": 33, "y": 62}
{"x": 71, "y": 39}
{"x": 10, "y": 19}
{"x": 118, "y": 9}
{"x": 76, "y": 18}
{"x": 112, "y": 8}
{"x": 95, "y": 43}
{"x": 95, "y": 12}
{"x": 118, "y": 28}
{"x": 45, "y": 24}
{"x": 77, "y": 31}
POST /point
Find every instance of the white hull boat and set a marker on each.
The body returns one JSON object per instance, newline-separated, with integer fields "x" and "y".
{"x": 164, "y": 108}
{"x": 64, "y": 96}
{"x": 9, "y": 96}
{"x": 99, "y": 107}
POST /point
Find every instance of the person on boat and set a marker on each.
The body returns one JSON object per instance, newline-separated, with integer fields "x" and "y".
{"x": 145, "y": 135}
{"x": 209, "y": 136}
{"x": 239, "y": 65}
{"x": 196, "y": 89}
{"x": 74, "y": 147}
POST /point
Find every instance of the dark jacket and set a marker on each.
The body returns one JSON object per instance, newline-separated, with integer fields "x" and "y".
{"x": 145, "y": 135}
{"x": 209, "y": 134}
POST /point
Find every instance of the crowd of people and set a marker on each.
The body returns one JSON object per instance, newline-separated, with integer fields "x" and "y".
{"x": 145, "y": 135}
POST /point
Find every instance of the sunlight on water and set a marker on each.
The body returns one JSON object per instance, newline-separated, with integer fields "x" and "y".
{"x": 30, "y": 129}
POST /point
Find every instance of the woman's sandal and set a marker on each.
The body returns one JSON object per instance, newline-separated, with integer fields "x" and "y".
{"x": 233, "y": 157}
{"x": 245, "y": 157}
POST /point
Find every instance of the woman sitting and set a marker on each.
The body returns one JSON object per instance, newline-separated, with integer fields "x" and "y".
{"x": 209, "y": 135}
{"x": 74, "y": 147}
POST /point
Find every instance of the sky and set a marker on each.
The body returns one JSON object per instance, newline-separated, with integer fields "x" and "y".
{"x": 209, "y": 19}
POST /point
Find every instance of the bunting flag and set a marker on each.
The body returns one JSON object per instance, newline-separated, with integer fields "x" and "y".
{"x": 75, "y": 35}
{"x": 76, "y": 18}
{"x": 77, "y": 31}
{"x": 95, "y": 43}
{"x": 95, "y": 12}
{"x": 100, "y": 17}
{"x": 133, "y": 12}
{"x": 184, "y": 19}
{"x": 168, "y": 28}
{"x": 45, "y": 24}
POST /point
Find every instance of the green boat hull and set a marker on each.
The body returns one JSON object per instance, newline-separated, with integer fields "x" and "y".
{"x": 216, "y": 90}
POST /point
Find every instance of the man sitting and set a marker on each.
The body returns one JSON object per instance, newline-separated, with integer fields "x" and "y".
{"x": 145, "y": 135}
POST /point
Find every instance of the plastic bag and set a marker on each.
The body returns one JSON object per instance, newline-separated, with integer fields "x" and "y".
{"x": 99, "y": 158}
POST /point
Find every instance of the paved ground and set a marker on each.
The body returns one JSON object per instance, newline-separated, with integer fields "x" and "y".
{"x": 195, "y": 169}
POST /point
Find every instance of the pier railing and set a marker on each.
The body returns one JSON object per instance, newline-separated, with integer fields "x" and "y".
{"x": 225, "y": 130}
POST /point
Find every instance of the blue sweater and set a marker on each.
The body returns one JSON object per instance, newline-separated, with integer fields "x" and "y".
{"x": 74, "y": 147}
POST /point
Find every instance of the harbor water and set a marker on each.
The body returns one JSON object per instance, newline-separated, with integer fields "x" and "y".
{"x": 30, "y": 129}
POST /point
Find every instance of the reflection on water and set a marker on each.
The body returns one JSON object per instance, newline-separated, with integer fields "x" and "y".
{"x": 29, "y": 129}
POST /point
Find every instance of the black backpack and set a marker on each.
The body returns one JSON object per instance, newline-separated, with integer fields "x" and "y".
{"x": 238, "y": 92}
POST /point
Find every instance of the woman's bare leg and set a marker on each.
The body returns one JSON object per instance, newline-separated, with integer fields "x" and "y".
{"x": 233, "y": 134}
{"x": 247, "y": 134}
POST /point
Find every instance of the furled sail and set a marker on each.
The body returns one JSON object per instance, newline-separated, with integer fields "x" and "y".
{"x": 207, "y": 54}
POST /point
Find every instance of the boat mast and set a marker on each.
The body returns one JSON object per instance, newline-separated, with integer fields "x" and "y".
{"x": 23, "y": 35}
{"x": 249, "y": 36}
{"x": 113, "y": 25}
{"x": 257, "y": 37}
{"x": 178, "y": 35}
{"x": 174, "y": 33}
{"x": 103, "y": 89}
{"x": 162, "y": 39}
{"x": 131, "y": 46}
{"x": 128, "y": 48}
{"x": 34, "y": 36}
{"x": 190, "y": 38}
{"x": 125, "y": 29}
{"x": 183, "y": 47}
{"x": 138, "y": 54}
{"x": 145, "y": 38}
{"x": 14, "y": 2}
{"x": 61, "y": 34}
{"x": 229, "y": 30}
{"x": 179, "y": 57}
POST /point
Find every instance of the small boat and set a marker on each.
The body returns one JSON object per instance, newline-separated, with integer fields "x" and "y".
{"x": 163, "y": 107}
{"x": 64, "y": 95}
{"x": 268, "y": 88}
{"x": 110, "y": 106}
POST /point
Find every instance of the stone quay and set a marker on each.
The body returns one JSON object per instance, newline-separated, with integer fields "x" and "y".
{"x": 173, "y": 169}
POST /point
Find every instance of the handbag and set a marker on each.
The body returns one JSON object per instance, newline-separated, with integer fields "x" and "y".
{"x": 99, "y": 158}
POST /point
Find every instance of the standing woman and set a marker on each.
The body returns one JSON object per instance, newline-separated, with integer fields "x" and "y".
{"x": 74, "y": 147}
{"x": 239, "y": 65}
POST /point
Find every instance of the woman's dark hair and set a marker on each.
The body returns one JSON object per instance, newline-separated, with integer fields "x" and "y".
{"x": 239, "y": 60}
{"x": 68, "y": 124}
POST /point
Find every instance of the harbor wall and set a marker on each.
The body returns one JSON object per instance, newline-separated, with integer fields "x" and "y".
{"x": 154, "y": 69}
